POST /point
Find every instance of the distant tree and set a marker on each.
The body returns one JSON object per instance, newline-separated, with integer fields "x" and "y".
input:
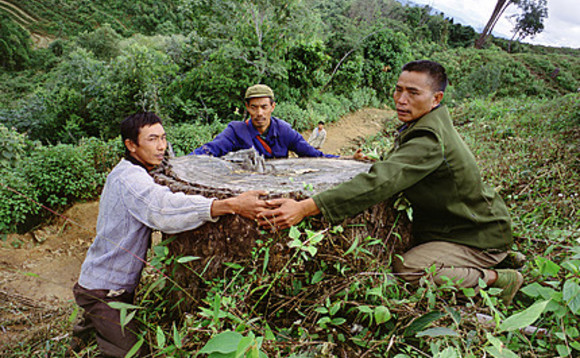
{"x": 499, "y": 9}
{"x": 531, "y": 21}
{"x": 15, "y": 45}
{"x": 460, "y": 36}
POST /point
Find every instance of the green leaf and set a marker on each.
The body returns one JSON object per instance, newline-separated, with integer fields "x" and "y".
{"x": 225, "y": 342}
{"x": 243, "y": 346}
{"x": 525, "y": 318}
{"x": 177, "y": 337}
{"x": 134, "y": 349}
{"x": 537, "y": 290}
{"x": 498, "y": 349}
{"x": 233, "y": 265}
{"x": 337, "y": 321}
{"x": 454, "y": 314}
{"x": 365, "y": 309}
{"x": 312, "y": 250}
{"x": 160, "y": 336}
{"x": 382, "y": 314}
{"x": 547, "y": 267}
{"x": 334, "y": 308}
{"x": 125, "y": 318}
{"x": 563, "y": 351}
{"x": 322, "y": 310}
{"x": 571, "y": 294}
{"x": 437, "y": 332}
{"x": 185, "y": 259}
{"x": 294, "y": 233}
{"x": 295, "y": 243}
{"x": 352, "y": 247}
{"x": 314, "y": 237}
{"x": 317, "y": 277}
{"x": 268, "y": 334}
{"x": 420, "y": 323}
{"x": 120, "y": 305}
{"x": 74, "y": 314}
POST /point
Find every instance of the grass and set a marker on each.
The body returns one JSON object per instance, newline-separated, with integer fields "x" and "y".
{"x": 527, "y": 149}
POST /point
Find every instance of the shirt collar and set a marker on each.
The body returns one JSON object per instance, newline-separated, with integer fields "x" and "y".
{"x": 134, "y": 161}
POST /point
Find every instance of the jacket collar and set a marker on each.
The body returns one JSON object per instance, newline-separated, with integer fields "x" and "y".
{"x": 410, "y": 124}
{"x": 134, "y": 161}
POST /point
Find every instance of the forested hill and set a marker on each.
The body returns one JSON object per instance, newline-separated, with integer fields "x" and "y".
{"x": 190, "y": 60}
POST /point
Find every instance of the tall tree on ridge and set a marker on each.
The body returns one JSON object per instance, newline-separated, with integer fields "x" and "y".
{"x": 531, "y": 21}
{"x": 499, "y": 9}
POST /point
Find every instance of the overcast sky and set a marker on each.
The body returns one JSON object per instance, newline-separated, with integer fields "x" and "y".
{"x": 561, "y": 28}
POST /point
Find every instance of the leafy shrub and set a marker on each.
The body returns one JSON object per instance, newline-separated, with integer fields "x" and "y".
{"x": 62, "y": 174}
{"x": 17, "y": 200}
{"x": 385, "y": 52}
{"x": 103, "y": 42}
{"x": 307, "y": 62}
{"x": 364, "y": 97}
{"x": 184, "y": 138}
{"x": 298, "y": 118}
{"x": 13, "y": 146}
{"x": 480, "y": 83}
{"x": 101, "y": 155}
{"x": 15, "y": 45}
{"x": 328, "y": 108}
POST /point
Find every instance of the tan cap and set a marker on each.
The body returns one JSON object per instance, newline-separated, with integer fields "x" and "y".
{"x": 257, "y": 91}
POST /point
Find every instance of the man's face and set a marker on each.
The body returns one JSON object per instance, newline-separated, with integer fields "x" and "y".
{"x": 320, "y": 127}
{"x": 150, "y": 147}
{"x": 260, "y": 110}
{"x": 414, "y": 96}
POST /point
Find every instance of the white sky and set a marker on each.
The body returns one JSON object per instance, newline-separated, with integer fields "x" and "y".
{"x": 561, "y": 28}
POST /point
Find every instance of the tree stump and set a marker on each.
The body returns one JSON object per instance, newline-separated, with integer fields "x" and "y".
{"x": 236, "y": 240}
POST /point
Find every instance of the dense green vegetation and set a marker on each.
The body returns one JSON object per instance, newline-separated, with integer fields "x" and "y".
{"x": 191, "y": 60}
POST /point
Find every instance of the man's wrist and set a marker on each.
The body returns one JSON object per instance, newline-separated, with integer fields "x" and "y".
{"x": 308, "y": 207}
{"x": 223, "y": 207}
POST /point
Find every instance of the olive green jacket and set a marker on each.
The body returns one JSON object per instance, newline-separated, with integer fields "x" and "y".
{"x": 438, "y": 174}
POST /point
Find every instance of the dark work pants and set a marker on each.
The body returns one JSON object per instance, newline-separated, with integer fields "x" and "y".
{"x": 105, "y": 321}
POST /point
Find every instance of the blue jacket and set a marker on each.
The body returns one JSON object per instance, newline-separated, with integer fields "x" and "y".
{"x": 278, "y": 141}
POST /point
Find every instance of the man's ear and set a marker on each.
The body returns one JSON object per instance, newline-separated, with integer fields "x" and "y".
{"x": 438, "y": 97}
{"x": 131, "y": 146}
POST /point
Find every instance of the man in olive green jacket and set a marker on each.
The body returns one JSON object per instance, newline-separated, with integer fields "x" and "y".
{"x": 460, "y": 225}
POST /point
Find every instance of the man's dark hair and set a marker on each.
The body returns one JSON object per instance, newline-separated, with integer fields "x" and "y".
{"x": 131, "y": 126}
{"x": 321, "y": 122}
{"x": 433, "y": 69}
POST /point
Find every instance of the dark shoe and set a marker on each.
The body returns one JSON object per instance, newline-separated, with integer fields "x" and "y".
{"x": 510, "y": 282}
{"x": 513, "y": 260}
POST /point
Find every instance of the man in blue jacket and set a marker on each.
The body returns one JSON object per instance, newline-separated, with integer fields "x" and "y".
{"x": 270, "y": 136}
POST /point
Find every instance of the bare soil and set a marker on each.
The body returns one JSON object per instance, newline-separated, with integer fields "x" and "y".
{"x": 39, "y": 268}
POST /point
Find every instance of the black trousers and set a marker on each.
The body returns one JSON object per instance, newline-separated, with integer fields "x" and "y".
{"x": 112, "y": 340}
